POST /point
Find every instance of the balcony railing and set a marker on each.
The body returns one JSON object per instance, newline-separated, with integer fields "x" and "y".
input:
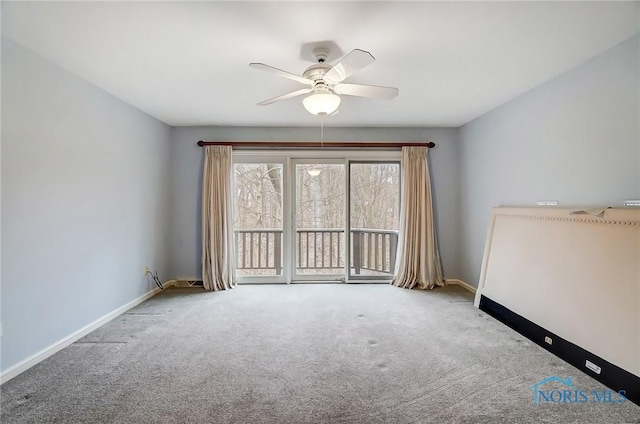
{"x": 259, "y": 249}
{"x": 373, "y": 251}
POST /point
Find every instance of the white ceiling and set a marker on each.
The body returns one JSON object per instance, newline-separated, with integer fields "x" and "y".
{"x": 185, "y": 63}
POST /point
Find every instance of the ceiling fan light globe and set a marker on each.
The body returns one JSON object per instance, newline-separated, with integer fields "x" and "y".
{"x": 321, "y": 103}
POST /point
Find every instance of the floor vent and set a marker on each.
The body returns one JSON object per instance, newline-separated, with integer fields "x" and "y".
{"x": 188, "y": 283}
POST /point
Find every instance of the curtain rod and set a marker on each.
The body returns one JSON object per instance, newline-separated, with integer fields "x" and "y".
{"x": 313, "y": 144}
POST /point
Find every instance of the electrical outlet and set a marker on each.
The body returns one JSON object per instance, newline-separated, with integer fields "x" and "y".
{"x": 593, "y": 367}
{"x": 146, "y": 270}
{"x": 548, "y": 340}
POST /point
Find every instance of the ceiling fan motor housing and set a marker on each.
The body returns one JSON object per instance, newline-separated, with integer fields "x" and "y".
{"x": 316, "y": 74}
{"x": 317, "y": 71}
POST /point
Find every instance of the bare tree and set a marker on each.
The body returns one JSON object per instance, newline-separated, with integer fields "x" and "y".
{"x": 319, "y": 208}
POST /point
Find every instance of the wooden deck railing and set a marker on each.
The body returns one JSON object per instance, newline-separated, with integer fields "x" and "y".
{"x": 259, "y": 249}
{"x": 320, "y": 249}
{"x": 373, "y": 250}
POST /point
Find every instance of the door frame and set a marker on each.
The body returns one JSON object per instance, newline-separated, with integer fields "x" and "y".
{"x": 288, "y": 158}
{"x": 368, "y": 278}
{"x": 302, "y": 278}
{"x": 259, "y": 157}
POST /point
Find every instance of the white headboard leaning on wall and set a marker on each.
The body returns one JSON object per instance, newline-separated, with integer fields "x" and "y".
{"x": 571, "y": 283}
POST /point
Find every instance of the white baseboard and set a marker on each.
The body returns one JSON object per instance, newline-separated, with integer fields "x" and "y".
{"x": 461, "y": 284}
{"x": 38, "y": 357}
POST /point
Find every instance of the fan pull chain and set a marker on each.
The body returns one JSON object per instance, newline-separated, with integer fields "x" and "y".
{"x": 322, "y": 132}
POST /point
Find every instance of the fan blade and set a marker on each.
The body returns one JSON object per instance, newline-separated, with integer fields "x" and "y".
{"x": 281, "y": 73}
{"x": 349, "y": 65}
{"x": 286, "y": 96}
{"x": 373, "y": 91}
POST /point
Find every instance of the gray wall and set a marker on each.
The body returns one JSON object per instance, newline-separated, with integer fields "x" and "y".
{"x": 574, "y": 139}
{"x": 186, "y": 175}
{"x": 84, "y": 203}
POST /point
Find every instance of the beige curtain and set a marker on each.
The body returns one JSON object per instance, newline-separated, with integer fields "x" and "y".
{"x": 418, "y": 264}
{"x": 218, "y": 262}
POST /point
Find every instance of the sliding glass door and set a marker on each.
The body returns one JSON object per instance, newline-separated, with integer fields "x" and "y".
{"x": 259, "y": 234}
{"x": 300, "y": 218}
{"x": 319, "y": 219}
{"x": 374, "y": 211}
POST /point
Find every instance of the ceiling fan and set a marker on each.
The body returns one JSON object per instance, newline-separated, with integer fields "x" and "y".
{"x": 325, "y": 82}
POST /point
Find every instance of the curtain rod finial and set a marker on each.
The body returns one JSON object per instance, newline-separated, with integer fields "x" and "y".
{"x": 431, "y": 144}
{"x": 200, "y": 143}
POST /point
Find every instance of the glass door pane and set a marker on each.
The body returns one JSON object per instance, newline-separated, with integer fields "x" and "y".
{"x": 374, "y": 210}
{"x": 319, "y": 221}
{"x": 258, "y": 223}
